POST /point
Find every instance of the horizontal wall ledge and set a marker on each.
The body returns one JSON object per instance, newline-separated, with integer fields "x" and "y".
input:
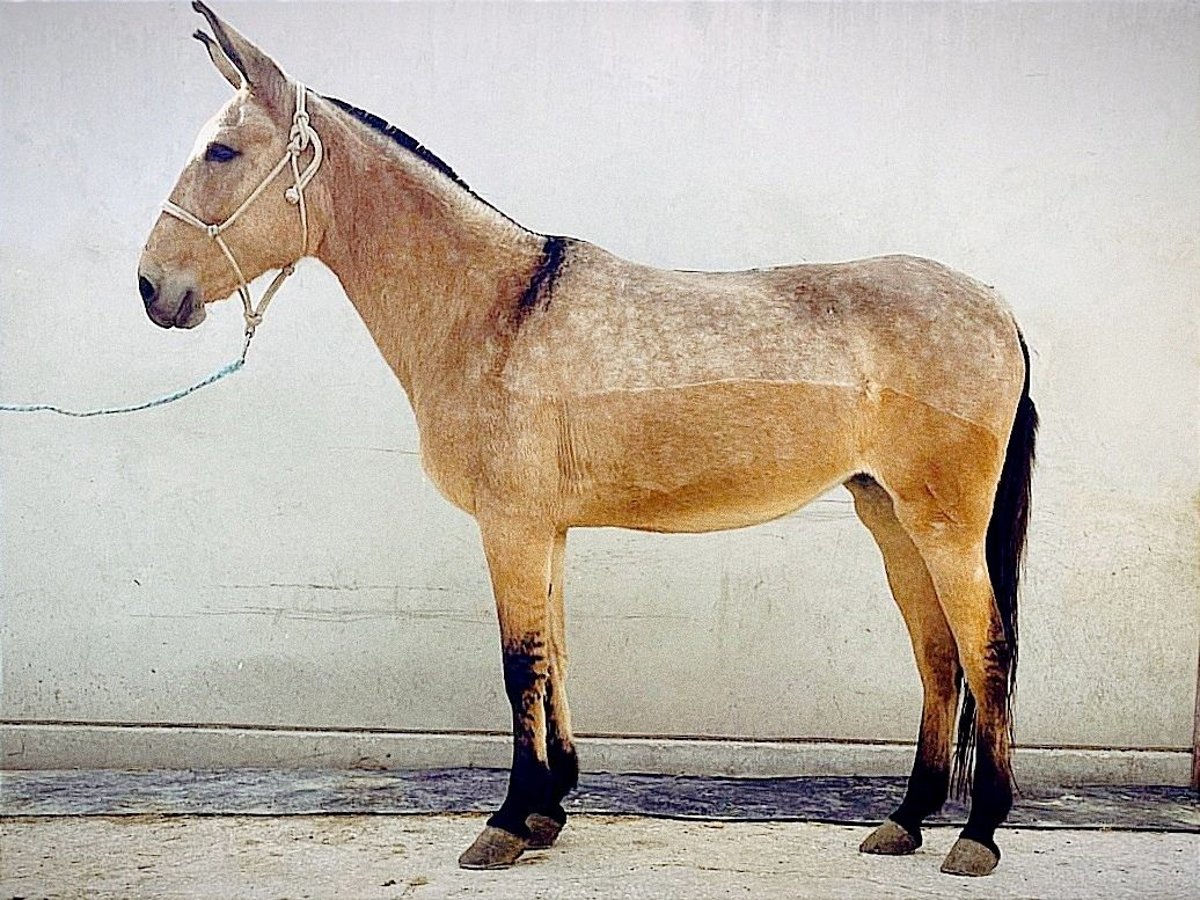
{"x": 111, "y": 746}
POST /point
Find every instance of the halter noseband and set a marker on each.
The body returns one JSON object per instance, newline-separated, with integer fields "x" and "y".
{"x": 301, "y": 136}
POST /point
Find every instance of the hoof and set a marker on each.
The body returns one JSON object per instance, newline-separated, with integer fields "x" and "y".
{"x": 495, "y": 848}
{"x": 890, "y": 839}
{"x": 968, "y": 857}
{"x": 543, "y": 831}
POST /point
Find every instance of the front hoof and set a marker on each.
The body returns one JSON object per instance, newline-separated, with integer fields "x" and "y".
{"x": 890, "y": 839}
{"x": 968, "y": 857}
{"x": 543, "y": 831}
{"x": 495, "y": 848}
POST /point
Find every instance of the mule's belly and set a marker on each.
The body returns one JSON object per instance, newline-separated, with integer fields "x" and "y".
{"x": 705, "y": 457}
{"x": 703, "y": 507}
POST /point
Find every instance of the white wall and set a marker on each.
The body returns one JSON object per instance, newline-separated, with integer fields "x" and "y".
{"x": 268, "y": 551}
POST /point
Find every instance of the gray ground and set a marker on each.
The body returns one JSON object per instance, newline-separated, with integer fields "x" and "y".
{"x": 598, "y": 856}
{"x": 251, "y": 834}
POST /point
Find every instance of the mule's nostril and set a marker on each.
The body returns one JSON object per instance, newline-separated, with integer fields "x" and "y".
{"x": 146, "y": 289}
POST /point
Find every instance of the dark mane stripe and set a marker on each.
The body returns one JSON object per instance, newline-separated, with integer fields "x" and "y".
{"x": 409, "y": 143}
{"x": 403, "y": 138}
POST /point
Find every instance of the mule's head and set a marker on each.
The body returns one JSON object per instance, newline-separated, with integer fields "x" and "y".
{"x": 182, "y": 267}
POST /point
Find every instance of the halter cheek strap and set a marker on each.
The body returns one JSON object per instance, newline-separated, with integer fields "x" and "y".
{"x": 300, "y": 138}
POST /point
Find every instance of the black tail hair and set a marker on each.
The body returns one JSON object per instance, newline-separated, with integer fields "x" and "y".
{"x": 1005, "y": 549}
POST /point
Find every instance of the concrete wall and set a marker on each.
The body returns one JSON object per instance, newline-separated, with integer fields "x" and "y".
{"x": 268, "y": 553}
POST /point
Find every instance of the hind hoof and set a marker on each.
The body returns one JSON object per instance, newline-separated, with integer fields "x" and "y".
{"x": 495, "y": 848}
{"x": 543, "y": 831}
{"x": 890, "y": 839}
{"x": 971, "y": 858}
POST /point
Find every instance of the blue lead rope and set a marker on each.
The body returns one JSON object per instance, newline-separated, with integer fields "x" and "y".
{"x": 224, "y": 371}
{"x": 301, "y": 137}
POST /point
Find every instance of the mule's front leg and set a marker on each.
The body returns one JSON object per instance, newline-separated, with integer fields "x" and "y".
{"x": 519, "y": 558}
{"x": 545, "y": 825}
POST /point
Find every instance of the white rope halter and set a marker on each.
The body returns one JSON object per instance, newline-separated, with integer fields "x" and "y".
{"x": 301, "y": 136}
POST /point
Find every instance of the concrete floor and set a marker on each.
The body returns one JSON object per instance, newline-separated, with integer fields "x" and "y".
{"x": 413, "y": 856}
{"x": 250, "y": 833}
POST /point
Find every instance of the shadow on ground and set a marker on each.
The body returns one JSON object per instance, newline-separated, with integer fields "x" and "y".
{"x": 840, "y": 800}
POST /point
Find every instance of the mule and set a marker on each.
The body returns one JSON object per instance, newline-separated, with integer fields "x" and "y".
{"x": 558, "y": 386}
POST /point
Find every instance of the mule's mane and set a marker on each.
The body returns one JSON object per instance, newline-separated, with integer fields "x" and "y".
{"x": 403, "y": 138}
{"x": 409, "y": 143}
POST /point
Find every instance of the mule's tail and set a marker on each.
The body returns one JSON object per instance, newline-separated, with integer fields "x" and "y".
{"x": 1005, "y": 548}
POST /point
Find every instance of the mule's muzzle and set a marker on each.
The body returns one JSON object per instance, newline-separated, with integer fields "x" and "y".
{"x": 170, "y": 301}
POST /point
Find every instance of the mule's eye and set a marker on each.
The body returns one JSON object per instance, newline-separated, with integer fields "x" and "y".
{"x": 220, "y": 153}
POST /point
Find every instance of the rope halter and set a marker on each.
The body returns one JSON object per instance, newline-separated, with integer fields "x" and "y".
{"x": 300, "y": 138}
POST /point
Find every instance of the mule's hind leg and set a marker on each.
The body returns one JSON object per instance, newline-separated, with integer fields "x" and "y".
{"x": 937, "y": 664}
{"x": 954, "y": 553}
{"x": 545, "y": 825}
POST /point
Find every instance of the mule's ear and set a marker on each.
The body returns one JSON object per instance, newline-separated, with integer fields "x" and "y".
{"x": 258, "y": 71}
{"x": 220, "y": 60}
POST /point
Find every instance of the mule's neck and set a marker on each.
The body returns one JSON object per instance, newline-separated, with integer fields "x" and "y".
{"x": 430, "y": 267}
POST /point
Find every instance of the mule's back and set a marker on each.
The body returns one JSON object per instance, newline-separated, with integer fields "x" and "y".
{"x": 896, "y": 323}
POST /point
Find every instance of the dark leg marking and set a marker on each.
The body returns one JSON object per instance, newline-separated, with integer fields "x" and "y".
{"x": 991, "y": 793}
{"x": 975, "y": 852}
{"x": 529, "y": 781}
{"x": 564, "y": 762}
{"x": 991, "y": 799}
{"x": 545, "y": 824}
{"x": 928, "y": 786}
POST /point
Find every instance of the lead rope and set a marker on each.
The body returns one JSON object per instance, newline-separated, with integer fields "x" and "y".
{"x": 227, "y": 369}
{"x": 300, "y": 138}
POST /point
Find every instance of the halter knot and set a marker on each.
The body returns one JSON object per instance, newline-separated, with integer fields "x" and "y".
{"x": 297, "y": 141}
{"x": 301, "y": 132}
